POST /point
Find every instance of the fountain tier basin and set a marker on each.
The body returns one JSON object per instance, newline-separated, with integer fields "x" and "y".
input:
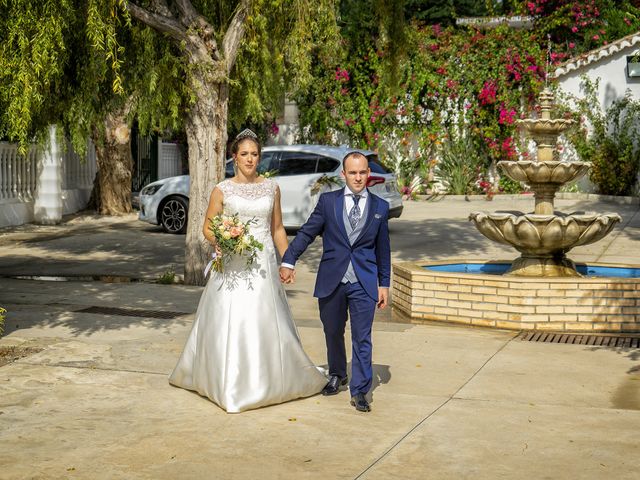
{"x": 544, "y": 126}
{"x": 544, "y": 240}
{"x": 554, "y": 172}
{"x": 423, "y": 292}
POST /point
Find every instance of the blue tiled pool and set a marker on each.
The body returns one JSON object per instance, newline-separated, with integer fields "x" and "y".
{"x": 501, "y": 268}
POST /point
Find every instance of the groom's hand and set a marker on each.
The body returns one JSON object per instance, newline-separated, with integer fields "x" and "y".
{"x": 287, "y": 275}
{"x": 383, "y": 297}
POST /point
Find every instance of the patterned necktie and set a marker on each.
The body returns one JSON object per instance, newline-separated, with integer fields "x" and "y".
{"x": 354, "y": 214}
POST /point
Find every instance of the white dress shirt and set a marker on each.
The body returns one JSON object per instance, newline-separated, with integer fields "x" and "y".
{"x": 348, "y": 203}
{"x": 348, "y": 199}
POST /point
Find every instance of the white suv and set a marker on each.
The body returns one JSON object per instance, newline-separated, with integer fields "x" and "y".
{"x": 296, "y": 168}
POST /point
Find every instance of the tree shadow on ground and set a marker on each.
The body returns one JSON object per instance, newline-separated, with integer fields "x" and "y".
{"x": 120, "y": 249}
{"x": 79, "y": 324}
{"x": 58, "y": 305}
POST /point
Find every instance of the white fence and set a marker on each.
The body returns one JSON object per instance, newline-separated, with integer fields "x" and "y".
{"x": 18, "y": 174}
{"x": 22, "y": 176}
{"x": 64, "y": 178}
{"x": 78, "y": 173}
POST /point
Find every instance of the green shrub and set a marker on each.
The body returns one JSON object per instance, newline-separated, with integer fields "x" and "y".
{"x": 612, "y": 145}
{"x": 168, "y": 277}
{"x": 460, "y": 161}
{"x": 507, "y": 185}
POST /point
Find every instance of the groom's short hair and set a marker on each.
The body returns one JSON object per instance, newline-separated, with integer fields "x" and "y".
{"x": 355, "y": 153}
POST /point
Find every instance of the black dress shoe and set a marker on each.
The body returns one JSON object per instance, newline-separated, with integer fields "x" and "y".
{"x": 333, "y": 387}
{"x": 360, "y": 403}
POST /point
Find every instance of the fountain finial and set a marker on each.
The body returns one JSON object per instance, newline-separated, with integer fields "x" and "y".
{"x": 548, "y": 62}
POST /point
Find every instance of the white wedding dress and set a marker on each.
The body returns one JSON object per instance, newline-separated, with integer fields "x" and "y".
{"x": 244, "y": 350}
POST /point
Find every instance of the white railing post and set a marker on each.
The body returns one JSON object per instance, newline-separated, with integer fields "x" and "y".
{"x": 48, "y": 201}
{"x": 4, "y": 178}
{"x": 33, "y": 171}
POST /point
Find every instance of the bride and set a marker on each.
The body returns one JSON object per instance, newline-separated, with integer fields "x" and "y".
{"x": 244, "y": 351}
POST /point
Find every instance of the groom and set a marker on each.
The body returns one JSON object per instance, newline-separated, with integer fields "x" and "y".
{"x": 353, "y": 276}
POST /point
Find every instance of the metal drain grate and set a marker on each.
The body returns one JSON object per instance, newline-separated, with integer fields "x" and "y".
{"x": 579, "y": 339}
{"x": 132, "y": 312}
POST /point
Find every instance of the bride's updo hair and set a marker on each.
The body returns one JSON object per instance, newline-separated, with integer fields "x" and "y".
{"x": 246, "y": 134}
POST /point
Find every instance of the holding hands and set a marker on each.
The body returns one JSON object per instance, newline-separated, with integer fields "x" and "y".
{"x": 287, "y": 275}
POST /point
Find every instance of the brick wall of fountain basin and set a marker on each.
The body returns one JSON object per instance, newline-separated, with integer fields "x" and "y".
{"x": 515, "y": 303}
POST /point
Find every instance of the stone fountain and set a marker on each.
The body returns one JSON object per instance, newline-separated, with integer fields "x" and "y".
{"x": 542, "y": 289}
{"x": 544, "y": 237}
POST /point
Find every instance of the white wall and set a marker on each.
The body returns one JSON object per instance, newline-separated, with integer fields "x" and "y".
{"x": 613, "y": 84}
{"x": 612, "y": 72}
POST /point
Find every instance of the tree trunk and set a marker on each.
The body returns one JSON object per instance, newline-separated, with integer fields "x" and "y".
{"x": 206, "y": 129}
{"x": 112, "y": 189}
{"x": 206, "y": 120}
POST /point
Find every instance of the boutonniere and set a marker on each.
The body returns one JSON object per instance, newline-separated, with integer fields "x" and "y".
{"x": 377, "y": 215}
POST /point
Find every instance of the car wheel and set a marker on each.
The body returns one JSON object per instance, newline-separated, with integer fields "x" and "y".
{"x": 173, "y": 215}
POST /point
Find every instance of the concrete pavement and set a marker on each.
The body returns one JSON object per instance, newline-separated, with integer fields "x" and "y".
{"x": 448, "y": 402}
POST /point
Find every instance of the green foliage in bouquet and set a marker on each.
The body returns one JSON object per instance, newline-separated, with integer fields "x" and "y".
{"x": 233, "y": 238}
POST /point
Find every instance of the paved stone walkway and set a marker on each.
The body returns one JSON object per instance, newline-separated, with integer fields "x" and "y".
{"x": 448, "y": 402}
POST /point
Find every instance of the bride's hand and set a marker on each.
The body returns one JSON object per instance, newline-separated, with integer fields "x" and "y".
{"x": 287, "y": 275}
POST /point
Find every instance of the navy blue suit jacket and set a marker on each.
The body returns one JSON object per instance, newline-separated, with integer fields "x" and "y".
{"x": 370, "y": 254}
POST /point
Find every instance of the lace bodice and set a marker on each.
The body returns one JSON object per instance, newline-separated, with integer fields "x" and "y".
{"x": 251, "y": 201}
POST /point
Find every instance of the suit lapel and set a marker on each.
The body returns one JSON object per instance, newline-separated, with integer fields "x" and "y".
{"x": 373, "y": 205}
{"x": 338, "y": 208}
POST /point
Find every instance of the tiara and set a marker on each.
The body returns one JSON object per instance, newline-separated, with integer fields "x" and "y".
{"x": 246, "y": 133}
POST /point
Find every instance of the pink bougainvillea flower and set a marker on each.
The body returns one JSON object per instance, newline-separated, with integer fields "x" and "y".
{"x": 596, "y": 37}
{"x": 342, "y": 75}
{"x": 572, "y": 45}
{"x": 488, "y": 94}
{"x": 508, "y": 148}
{"x": 507, "y": 116}
{"x": 574, "y": 29}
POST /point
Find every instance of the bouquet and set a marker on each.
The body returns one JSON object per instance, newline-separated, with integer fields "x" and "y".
{"x": 232, "y": 237}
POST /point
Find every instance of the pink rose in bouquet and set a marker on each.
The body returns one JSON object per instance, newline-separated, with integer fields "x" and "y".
{"x": 232, "y": 238}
